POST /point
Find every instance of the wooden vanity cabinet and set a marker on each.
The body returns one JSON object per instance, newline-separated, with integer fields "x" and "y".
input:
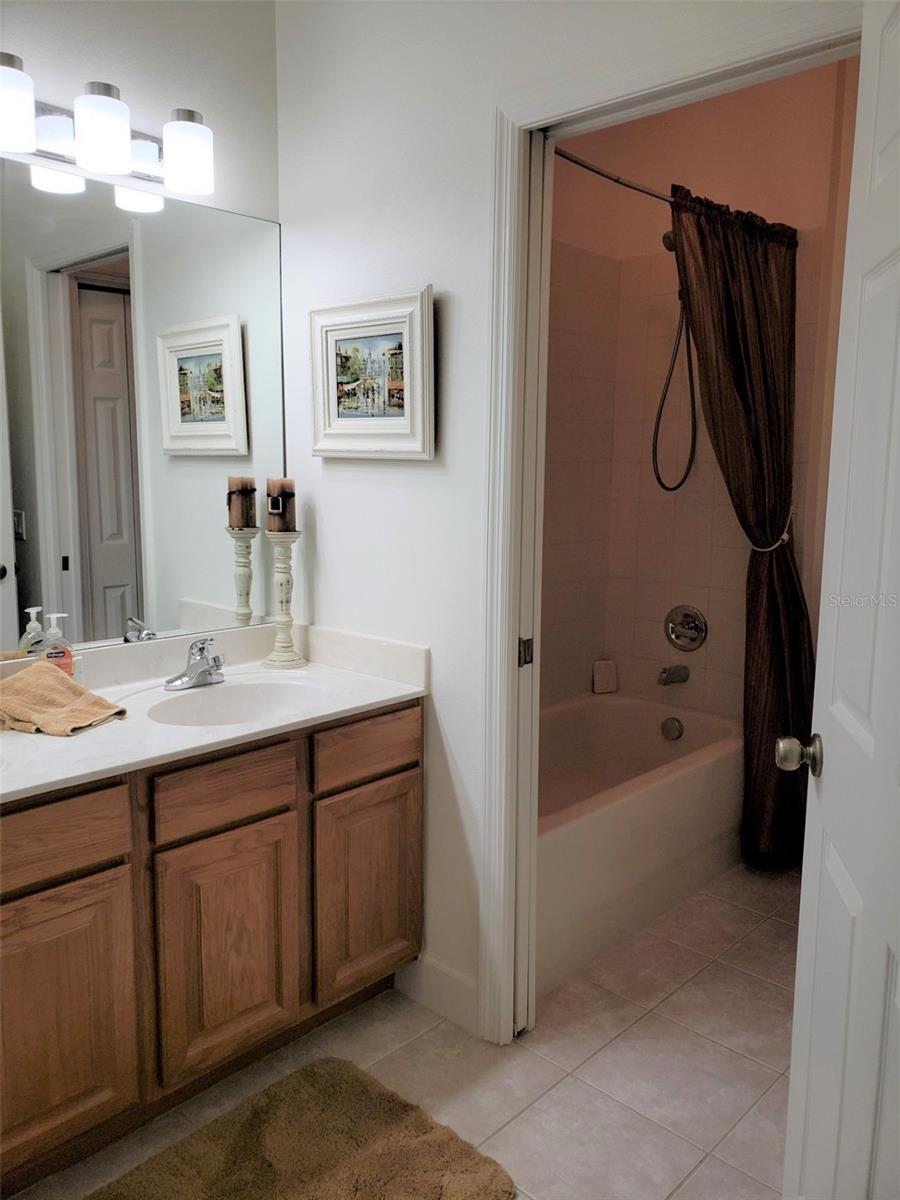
{"x": 368, "y": 883}
{"x": 157, "y": 931}
{"x": 69, "y": 1025}
{"x": 228, "y": 920}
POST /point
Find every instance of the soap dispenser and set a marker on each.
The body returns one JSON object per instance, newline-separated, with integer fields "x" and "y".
{"x": 56, "y": 649}
{"x": 33, "y": 638}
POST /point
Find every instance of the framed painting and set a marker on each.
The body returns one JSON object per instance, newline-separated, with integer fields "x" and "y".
{"x": 201, "y": 380}
{"x": 373, "y": 378}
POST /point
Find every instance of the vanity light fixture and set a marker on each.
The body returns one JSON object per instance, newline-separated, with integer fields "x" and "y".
{"x": 134, "y": 200}
{"x": 96, "y": 137}
{"x": 102, "y": 130}
{"x": 17, "y": 135}
{"x": 62, "y": 183}
{"x": 188, "y": 154}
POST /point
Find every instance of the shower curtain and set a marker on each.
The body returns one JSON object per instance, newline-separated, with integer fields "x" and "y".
{"x": 737, "y": 275}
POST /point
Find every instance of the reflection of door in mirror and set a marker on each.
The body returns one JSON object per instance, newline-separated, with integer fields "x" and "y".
{"x": 106, "y": 448}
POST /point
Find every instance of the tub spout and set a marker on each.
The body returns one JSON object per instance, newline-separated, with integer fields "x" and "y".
{"x": 677, "y": 674}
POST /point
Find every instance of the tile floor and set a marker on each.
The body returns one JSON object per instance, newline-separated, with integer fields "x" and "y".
{"x": 660, "y": 1072}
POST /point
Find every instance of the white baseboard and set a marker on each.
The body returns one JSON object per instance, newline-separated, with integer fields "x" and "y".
{"x": 450, "y": 993}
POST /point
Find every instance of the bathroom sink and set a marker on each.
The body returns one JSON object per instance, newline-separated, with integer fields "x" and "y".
{"x": 229, "y": 703}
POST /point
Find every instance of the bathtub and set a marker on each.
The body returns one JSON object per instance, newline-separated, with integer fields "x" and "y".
{"x": 629, "y": 822}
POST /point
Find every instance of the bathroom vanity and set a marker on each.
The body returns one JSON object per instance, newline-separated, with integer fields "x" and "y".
{"x": 164, "y": 925}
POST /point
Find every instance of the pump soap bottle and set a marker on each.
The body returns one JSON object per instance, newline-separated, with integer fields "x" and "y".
{"x": 33, "y": 638}
{"x": 56, "y": 649}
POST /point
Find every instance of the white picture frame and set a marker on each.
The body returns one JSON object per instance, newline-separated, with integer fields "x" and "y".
{"x": 373, "y": 378}
{"x": 201, "y": 380}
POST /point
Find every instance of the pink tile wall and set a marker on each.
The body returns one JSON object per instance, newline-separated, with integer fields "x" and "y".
{"x": 618, "y": 551}
{"x": 580, "y": 412}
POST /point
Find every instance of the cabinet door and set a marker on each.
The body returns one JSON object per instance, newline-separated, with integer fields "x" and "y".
{"x": 368, "y": 882}
{"x": 68, "y": 1021}
{"x": 228, "y": 917}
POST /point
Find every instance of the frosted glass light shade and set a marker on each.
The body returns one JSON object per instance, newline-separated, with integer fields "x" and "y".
{"x": 56, "y": 134}
{"x": 17, "y": 134}
{"x": 134, "y": 200}
{"x": 102, "y": 131}
{"x": 62, "y": 183}
{"x": 188, "y": 154}
{"x": 145, "y": 157}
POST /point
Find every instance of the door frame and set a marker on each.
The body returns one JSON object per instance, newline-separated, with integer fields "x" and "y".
{"x": 794, "y": 38}
{"x": 92, "y": 274}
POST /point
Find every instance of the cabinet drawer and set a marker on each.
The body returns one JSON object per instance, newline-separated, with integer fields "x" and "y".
{"x": 64, "y": 837}
{"x": 215, "y": 794}
{"x": 348, "y": 755}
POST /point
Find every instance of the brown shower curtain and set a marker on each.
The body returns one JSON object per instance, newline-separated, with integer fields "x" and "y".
{"x": 737, "y": 275}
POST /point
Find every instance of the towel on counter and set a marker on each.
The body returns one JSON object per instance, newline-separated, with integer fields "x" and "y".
{"x": 43, "y": 699}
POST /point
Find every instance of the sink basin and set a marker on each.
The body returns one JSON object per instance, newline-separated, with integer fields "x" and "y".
{"x": 227, "y": 703}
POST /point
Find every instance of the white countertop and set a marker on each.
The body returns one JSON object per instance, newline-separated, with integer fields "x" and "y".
{"x": 34, "y": 763}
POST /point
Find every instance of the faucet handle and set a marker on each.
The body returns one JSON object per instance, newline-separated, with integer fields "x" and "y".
{"x": 200, "y": 648}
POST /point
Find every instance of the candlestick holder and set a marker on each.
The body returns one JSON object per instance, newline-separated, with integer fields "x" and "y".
{"x": 243, "y": 572}
{"x": 283, "y": 656}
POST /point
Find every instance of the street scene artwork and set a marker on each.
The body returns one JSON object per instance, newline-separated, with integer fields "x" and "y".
{"x": 201, "y": 393}
{"x": 369, "y": 376}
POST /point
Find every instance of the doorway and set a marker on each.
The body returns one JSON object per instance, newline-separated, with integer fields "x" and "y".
{"x": 601, "y": 441}
{"x": 639, "y": 534}
{"x": 105, "y": 427}
{"x": 852, "y": 1003}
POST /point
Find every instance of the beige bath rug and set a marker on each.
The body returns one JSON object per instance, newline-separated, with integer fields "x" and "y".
{"x": 327, "y": 1132}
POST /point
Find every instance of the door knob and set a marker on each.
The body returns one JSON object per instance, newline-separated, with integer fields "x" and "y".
{"x": 791, "y": 754}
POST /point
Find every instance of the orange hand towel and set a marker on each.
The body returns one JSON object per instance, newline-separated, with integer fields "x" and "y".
{"x": 43, "y": 699}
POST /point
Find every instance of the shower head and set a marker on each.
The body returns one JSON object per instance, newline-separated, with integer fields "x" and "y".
{"x": 668, "y": 240}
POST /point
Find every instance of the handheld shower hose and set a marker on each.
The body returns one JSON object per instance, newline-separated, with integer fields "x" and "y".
{"x": 682, "y": 331}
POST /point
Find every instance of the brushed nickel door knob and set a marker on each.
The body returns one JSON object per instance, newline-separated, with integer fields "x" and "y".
{"x": 791, "y": 754}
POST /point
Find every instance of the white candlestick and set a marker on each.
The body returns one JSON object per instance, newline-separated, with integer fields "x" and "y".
{"x": 283, "y": 655}
{"x": 243, "y": 573}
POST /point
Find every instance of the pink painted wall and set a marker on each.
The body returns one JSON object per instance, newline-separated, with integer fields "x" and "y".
{"x": 618, "y": 551}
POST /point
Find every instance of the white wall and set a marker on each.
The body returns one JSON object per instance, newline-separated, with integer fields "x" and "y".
{"x": 386, "y": 119}
{"x": 188, "y": 264}
{"x": 211, "y": 55}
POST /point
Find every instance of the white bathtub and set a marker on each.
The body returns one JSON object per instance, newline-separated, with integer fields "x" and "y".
{"x": 629, "y": 822}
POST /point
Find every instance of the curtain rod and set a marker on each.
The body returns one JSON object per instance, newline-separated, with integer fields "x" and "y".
{"x": 635, "y": 187}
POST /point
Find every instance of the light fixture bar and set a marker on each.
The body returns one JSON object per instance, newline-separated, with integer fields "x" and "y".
{"x": 43, "y": 109}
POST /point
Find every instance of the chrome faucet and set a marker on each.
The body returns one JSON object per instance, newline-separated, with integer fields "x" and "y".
{"x": 201, "y": 670}
{"x": 137, "y": 631}
{"x": 676, "y": 674}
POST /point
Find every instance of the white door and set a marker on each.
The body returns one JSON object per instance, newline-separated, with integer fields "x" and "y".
{"x": 9, "y": 617}
{"x": 107, "y": 464}
{"x": 844, "y": 1120}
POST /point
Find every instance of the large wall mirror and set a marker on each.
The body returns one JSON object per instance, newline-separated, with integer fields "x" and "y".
{"x": 143, "y": 367}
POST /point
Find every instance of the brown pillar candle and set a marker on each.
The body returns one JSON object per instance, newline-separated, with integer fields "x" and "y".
{"x": 241, "y": 502}
{"x": 281, "y": 513}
